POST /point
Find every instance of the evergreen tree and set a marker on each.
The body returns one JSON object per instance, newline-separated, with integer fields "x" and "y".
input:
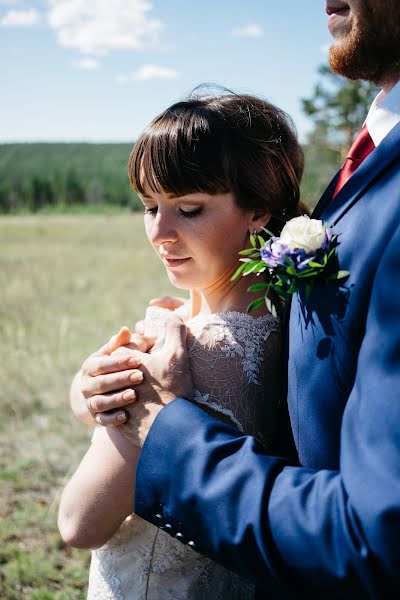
{"x": 338, "y": 108}
{"x": 41, "y": 193}
{"x": 74, "y": 190}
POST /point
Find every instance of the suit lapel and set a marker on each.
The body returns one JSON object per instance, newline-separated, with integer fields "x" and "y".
{"x": 326, "y": 198}
{"x": 373, "y": 166}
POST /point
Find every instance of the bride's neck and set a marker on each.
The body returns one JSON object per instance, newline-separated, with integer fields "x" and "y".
{"x": 225, "y": 295}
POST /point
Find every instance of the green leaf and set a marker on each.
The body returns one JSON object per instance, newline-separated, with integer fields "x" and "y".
{"x": 289, "y": 262}
{"x": 253, "y": 240}
{"x": 284, "y": 278}
{"x": 258, "y": 287}
{"x": 238, "y": 272}
{"x": 261, "y": 240}
{"x": 315, "y": 265}
{"x": 338, "y": 275}
{"x": 248, "y": 251}
{"x": 342, "y": 274}
{"x": 249, "y": 268}
{"x": 255, "y": 304}
{"x": 271, "y": 307}
{"x": 308, "y": 274}
{"x": 261, "y": 267}
{"x": 246, "y": 260}
{"x": 268, "y": 231}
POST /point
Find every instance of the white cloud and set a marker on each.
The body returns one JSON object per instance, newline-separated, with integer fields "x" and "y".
{"x": 100, "y": 26}
{"x": 88, "y": 63}
{"x": 148, "y": 72}
{"x": 250, "y": 31}
{"x": 20, "y": 18}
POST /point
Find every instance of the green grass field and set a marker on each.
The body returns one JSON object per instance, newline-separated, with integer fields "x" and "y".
{"x": 66, "y": 285}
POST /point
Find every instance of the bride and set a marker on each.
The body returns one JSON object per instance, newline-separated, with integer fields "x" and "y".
{"x": 209, "y": 171}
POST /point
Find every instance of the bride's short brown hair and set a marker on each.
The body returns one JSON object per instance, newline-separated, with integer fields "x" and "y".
{"x": 223, "y": 143}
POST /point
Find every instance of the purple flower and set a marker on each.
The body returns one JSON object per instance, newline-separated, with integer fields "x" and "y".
{"x": 274, "y": 253}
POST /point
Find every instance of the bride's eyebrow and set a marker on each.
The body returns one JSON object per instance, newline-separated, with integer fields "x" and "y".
{"x": 147, "y": 197}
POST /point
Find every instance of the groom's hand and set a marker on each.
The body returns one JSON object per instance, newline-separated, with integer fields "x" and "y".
{"x": 105, "y": 379}
{"x": 166, "y": 375}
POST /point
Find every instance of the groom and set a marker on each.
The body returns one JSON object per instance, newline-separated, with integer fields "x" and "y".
{"x": 330, "y": 527}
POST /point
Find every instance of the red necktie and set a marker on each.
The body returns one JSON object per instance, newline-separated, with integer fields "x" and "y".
{"x": 360, "y": 149}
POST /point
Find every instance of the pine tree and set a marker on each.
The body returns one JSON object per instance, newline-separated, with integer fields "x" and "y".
{"x": 338, "y": 108}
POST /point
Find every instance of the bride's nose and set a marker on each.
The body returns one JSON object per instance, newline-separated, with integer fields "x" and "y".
{"x": 163, "y": 229}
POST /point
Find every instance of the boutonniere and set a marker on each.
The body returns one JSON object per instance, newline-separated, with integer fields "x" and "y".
{"x": 303, "y": 254}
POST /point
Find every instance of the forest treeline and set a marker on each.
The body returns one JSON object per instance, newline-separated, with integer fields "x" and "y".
{"x": 37, "y": 177}
{"x": 64, "y": 177}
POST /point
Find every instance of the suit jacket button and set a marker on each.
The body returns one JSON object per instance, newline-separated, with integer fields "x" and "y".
{"x": 192, "y": 546}
{"x": 169, "y": 529}
{"x": 179, "y": 536}
{"x": 159, "y": 520}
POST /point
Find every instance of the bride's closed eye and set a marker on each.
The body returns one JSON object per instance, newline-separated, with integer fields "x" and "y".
{"x": 189, "y": 214}
{"x": 150, "y": 211}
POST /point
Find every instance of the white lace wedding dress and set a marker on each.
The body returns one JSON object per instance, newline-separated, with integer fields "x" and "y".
{"x": 235, "y": 362}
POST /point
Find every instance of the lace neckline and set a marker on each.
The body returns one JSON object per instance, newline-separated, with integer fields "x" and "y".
{"x": 233, "y": 315}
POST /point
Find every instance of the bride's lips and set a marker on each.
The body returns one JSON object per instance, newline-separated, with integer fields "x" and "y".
{"x": 174, "y": 262}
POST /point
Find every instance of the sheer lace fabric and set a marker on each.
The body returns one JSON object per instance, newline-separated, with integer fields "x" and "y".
{"x": 235, "y": 362}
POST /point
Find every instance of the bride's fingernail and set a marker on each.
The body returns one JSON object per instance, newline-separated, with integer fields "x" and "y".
{"x": 128, "y": 395}
{"x": 133, "y": 361}
{"x": 121, "y": 417}
{"x": 136, "y": 377}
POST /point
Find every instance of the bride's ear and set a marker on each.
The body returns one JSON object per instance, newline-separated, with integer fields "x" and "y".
{"x": 258, "y": 220}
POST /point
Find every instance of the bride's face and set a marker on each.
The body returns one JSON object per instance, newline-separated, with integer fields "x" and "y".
{"x": 197, "y": 236}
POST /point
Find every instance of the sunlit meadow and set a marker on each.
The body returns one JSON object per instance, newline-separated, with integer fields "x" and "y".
{"x": 66, "y": 285}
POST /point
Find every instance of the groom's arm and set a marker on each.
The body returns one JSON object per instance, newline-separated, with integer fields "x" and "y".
{"x": 335, "y": 532}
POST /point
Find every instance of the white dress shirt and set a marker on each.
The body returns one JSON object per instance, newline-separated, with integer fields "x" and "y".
{"x": 384, "y": 114}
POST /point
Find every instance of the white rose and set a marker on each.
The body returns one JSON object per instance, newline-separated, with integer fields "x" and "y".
{"x": 303, "y": 233}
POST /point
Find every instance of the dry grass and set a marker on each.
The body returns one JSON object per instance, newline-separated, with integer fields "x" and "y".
{"x": 66, "y": 284}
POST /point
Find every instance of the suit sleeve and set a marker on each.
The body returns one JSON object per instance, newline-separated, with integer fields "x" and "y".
{"x": 336, "y": 532}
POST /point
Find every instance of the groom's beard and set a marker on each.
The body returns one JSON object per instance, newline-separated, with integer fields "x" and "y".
{"x": 371, "y": 51}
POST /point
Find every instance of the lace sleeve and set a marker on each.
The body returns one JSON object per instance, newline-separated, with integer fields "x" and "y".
{"x": 236, "y": 367}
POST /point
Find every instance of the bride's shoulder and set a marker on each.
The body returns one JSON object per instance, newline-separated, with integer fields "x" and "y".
{"x": 239, "y": 325}
{"x": 208, "y": 329}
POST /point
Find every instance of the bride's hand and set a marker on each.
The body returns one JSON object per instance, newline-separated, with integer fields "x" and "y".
{"x": 168, "y": 302}
{"x": 167, "y": 376}
{"x": 107, "y": 375}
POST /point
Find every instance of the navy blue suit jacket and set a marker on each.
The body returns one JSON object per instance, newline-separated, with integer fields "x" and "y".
{"x": 330, "y": 525}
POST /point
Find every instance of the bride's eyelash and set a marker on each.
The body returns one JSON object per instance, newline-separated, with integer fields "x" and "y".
{"x": 188, "y": 214}
{"x": 150, "y": 211}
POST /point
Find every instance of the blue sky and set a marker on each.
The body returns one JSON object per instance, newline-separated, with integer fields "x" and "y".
{"x": 100, "y": 70}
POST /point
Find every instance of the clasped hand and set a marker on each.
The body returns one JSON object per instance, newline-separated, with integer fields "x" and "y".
{"x": 123, "y": 378}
